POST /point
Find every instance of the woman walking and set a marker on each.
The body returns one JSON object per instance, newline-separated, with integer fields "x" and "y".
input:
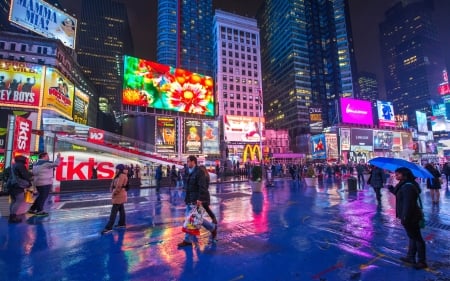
{"x": 434, "y": 184}
{"x": 119, "y": 198}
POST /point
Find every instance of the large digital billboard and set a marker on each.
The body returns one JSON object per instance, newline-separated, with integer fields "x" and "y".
{"x": 385, "y": 114}
{"x": 421, "y": 122}
{"x": 383, "y": 140}
{"x": 315, "y": 118}
{"x": 166, "y": 134}
{"x": 211, "y": 137}
{"x": 80, "y": 107}
{"x": 150, "y": 84}
{"x": 345, "y": 139}
{"x": 332, "y": 146}
{"x": 20, "y": 83}
{"x": 318, "y": 147}
{"x": 356, "y": 111}
{"x": 242, "y": 129}
{"x": 192, "y": 142}
{"x": 44, "y": 19}
{"x": 58, "y": 92}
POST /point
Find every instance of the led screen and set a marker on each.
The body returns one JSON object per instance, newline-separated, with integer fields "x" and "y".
{"x": 192, "y": 143}
{"x": 166, "y": 135}
{"x": 211, "y": 137}
{"x": 242, "y": 129}
{"x": 44, "y": 19}
{"x": 356, "y": 111}
{"x": 155, "y": 85}
{"x": 80, "y": 107}
{"x": 318, "y": 147}
{"x": 421, "y": 122}
{"x": 385, "y": 114}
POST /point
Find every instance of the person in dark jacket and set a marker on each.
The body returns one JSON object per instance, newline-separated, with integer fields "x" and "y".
{"x": 158, "y": 177}
{"x": 206, "y": 203}
{"x": 377, "y": 179}
{"x": 17, "y": 192}
{"x": 196, "y": 193}
{"x": 434, "y": 184}
{"x": 407, "y": 193}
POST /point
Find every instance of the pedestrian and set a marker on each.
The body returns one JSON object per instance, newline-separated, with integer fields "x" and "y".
{"x": 196, "y": 193}
{"x": 377, "y": 179}
{"x": 434, "y": 184}
{"x": 18, "y": 179}
{"x": 360, "y": 170}
{"x": 173, "y": 175}
{"x": 207, "y": 202}
{"x": 43, "y": 180}
{"x": 119, "y": 198}
{"x": 94, "y": 173}
{"x": 158, "y": 177}
{"x": 407, "y": 209}
{"x": 446, "y": 171}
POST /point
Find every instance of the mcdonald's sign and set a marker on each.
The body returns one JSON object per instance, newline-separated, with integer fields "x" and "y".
{"x": 251, "y": 153}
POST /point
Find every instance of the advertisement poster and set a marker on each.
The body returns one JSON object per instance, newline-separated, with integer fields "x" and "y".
{"x": 166, "y": 134}
{"x": 20, "y": 83}
{"x": 356, "y": 111}
{"x": 96, "y": 136}
{"x": 332, "y": 146}
{"x": 385, "y": 114}
{"x": 80, "y": 107}
{"x": 401, "y": 121}
{"x": 345, "y": 139}
{"x": 150, "y": 84}
{"x": 242, "y": 129}
{"x": 407, "y": 142}
{"x": 211, "y": 137}
{"x": 44, "y": 19}
{"x": 318, "y": 147}
{"x": 58, "y": 93}
{"x": 361, "y": 137}
{"x": 383, "y": 140}
{"x": 397, "y": 142}
{"x": 32, "y": 116}
{"x": 422, "y": 126}
{"x": 192, "y": 143}
{"x": 22, "y": 136}
{"x": 315, "y": 118}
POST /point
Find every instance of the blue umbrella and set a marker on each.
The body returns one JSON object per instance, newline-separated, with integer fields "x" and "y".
{"x": 392, "y": 164}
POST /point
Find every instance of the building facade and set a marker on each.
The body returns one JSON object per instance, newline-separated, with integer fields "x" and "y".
{"x": 308, "y": 61}
{"x": 184, "y": 35}
{"x": 368, "y": 86}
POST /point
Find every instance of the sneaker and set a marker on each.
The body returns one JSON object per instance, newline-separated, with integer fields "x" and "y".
{"x": 420, "y": 265}
{"x": 41, "y": 214}
{"x": 184, "y": 244}
{"x": 120, "y": 226}
{"x": 106, "y": 230}
{"x": 407, "y": 260}
{"x": 33, "y": 212}
{"x": 214, "y": 232}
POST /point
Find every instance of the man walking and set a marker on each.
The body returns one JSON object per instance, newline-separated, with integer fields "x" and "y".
{"x": 43, "y": 180}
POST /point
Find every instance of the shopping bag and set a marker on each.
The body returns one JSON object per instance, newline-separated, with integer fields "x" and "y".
{"x": 193, "y": 221}
{"x": 28, "y": 197}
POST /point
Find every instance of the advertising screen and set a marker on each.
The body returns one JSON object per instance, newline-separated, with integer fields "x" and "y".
{"x": 345, "y": 139}
{"x": 166, "y": 134}
{"x": 407, "y": 141}
{"x": 332, "y": 146}
{"x": 438, "y": 109}
{"x": 362, "y": 137}
{"x": 20, "y": 83}
{"x": 356, "y": 111}
{"x": 242, "y": 129}
{"x": 211, "y": 137}
{"x": 58, "y": 92}
{"x": 318, "y": 147}
{"x": 383, "y": 140}
{"x": 315, "y": 118}
{"x": 421, "y": 122}
{"x": 192, "y": 142}
{"x": 80, "y": 107}
{"x": 439, "y": 123}
{"x": 44, "y": 19}
{"x": 150, "y": 84}
{"x": 385, "y": 113}
{"x": 401, "y": 121}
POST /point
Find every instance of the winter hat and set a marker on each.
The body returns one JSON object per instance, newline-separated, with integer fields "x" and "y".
{"x": 20, "y": 159}
{"x": 120, "y": 167}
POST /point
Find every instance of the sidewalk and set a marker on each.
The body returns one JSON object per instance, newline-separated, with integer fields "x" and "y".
{"x": 287, "y": 232}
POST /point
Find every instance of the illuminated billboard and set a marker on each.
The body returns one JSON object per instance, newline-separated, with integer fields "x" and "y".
{"x": 80, "y": 107}
{"x": 315, "y": 120}
{"x": 166, "y": 134}
{"x": 20, "y": 83}
{"x": 421, "y": 122}
{"x": 58, "y": 92}
{"x": 332, "y": 146}
{"x": 44, "y": 19}
{"x": 383, "y": 140}
{"x": 439, "y": 124}
{"x": 211, "y": 137}
{"x": 356, "y": 111}
{"x": 345, "y": 138}
{"x": 192, "y": 142}
{"x": 154, "y": 85}
{"x": 385, "y": 114}
{"x": 242, "y": 129}
{"x": 31, "y": 116}
{"x": 318, "y": 147}
{"x": 401, "y": 121}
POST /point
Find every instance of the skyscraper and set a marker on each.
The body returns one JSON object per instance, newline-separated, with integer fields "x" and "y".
{"x": 368, "y": 86}
{"x": 308, "y": 60}
{"x": 103, "y": 38}
{"x": 184, "y": 35}
{"x": 412, "y": 60}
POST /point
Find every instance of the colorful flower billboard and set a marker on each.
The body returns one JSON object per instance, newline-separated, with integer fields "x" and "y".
{"x": 58, "y": 92}
{"x": 356, "y": 111}
{"x": 20, "y": 83}
{"x": 154, "y": 85}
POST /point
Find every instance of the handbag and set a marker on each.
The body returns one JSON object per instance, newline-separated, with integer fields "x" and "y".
{"x": 422, "y": 221}
{"x": 15, "y": 182}
{"x": 194, "y": 220}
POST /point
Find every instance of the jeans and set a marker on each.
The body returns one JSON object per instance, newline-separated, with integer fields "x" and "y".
{"x": 361, "y": 182}
{"x": 416, "y": 242}
{"x": 112, "y": 217}
{"x": 39, "y": 203}
{"x": 206, "y": 224}
{"x": 16, "y": 200}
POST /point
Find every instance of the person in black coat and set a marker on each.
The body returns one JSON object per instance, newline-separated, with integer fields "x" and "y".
{"x": 196, "y": 194}
{"x": 377, "y": 179}
{"x": 434, "y": 184}
{"x": 407, "y": 193}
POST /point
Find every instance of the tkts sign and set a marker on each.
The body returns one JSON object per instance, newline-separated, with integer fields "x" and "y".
{"x": 22, "y": 136}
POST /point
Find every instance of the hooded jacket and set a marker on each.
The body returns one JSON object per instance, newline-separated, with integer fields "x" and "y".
{"x": 43, "y": 171}
{"x": 406, "y": 197}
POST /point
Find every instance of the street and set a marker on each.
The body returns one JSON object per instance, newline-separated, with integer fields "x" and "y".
{"x": 287, "y": 232}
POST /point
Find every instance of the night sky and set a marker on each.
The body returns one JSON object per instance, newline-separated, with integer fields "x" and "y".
{"x": 365, "y": 17}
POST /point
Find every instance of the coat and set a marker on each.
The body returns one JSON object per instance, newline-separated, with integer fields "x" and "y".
{"x": 21, "y": 171}
{"x": 406, "y": 197}
{"x": 119, "y": 194}
{"x": 377, "y": 178}
{"x": 197, "y": 187}
{"x": 43, "y": 172}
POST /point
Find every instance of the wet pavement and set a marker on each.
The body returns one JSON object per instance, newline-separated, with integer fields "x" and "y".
{"x": 287, "y": 232}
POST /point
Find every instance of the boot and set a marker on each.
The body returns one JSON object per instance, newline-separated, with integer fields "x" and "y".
{"x": 14, "y": 219}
